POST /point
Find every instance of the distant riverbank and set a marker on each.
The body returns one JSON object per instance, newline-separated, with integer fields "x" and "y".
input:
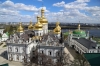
{"x": 75, "y": 27}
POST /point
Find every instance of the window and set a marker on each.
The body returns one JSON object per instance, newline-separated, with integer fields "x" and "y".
{"x": 16, "y": 49}
{"x": 17, "y": 57}
{"x": 57, "y": 53}
{"x": 50, "y": 53}
{"x": 37, "y": 34}
{"x": 40, "y": 34}
{"x": 10, "y": 49}
{"x": 23, "y": 49}
{"x": 11, "y": 57}
{"x": 24, "y": 57}
{"x": 42, "y": 51}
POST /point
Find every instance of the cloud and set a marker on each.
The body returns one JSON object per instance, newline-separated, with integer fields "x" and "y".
{"x": 75, "y": 11}
{"x": 18, "y": 6}
{"x": 4, "y": 11}
{"x": 78, "y": 10}
{"x": 59, "y": 4}
{"x": 39, "y": 0}
{"x": 12, "y": 11}
{"x": 83, "y": 0}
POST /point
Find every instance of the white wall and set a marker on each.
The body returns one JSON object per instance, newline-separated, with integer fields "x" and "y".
{"x": 1, "y": 31}
{"x": 38, "y": 31}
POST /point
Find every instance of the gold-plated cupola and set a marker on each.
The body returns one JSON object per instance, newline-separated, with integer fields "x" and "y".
{"x": 30, "y": 27}
{"x": 20, "y": 28}
{"x": 43, "y": 20}
{"x": 57, "y": 30}
{"x": 38, "y": 25}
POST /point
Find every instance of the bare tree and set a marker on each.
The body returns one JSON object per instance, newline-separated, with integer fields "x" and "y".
{"x": 40, "y": 59}
{"x": 80, "y": 60}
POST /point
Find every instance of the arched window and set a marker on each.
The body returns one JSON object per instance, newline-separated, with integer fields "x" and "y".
{"x": 23, "y": 49}
{"x": 40, "y": 34}
{"x": 10, "y": 49}
{"x": 17, "y": 57}
{"x": 16, "y": 49}
{"x": 42, "y": 51}
{"x": 49, "y": 53}
{"x": 57, "y": 53}
{"x": 37, "y": 34}
{"x": 24, "y": 58}
{"x": 11, "y": 57}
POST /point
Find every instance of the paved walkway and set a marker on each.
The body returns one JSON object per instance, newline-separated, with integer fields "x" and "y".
{"x": 67, "y": 52}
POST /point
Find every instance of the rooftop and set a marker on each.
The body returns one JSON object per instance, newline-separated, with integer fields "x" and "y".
{"x": 87, "y": 43}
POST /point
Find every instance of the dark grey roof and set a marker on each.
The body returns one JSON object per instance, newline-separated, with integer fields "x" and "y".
{"x": 50, "y": 38}
{"x": 50, "y": 34}
{"x": 87, "y": 43}
{"x": 25, "y": 36}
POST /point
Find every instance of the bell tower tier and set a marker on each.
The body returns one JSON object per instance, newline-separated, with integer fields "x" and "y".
{"x": 44, "y": 21}
{"x": 38, "y": 28}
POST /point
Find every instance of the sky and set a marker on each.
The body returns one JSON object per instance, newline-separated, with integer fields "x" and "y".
{"x": 67, "y": 11}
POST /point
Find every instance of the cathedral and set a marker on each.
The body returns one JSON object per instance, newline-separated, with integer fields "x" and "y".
{"x": 21, "y": 44}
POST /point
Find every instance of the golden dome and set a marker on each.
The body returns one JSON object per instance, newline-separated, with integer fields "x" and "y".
{"x": 43, "y": 20}
{"x": 57, "y": 24}
{"x": 30, "y": 27}
{"x": 38, "y": 25}
{"x": 57, "y": 30}
{"x": 20, "y": 28}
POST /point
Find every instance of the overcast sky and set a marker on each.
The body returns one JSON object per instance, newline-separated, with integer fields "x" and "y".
{"x": 70, "y": 11}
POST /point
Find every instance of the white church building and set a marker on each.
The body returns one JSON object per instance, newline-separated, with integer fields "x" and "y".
{"x": 80, "y": 41}
{"x": 21, "y": 44}
{"x": 3, "y": 36}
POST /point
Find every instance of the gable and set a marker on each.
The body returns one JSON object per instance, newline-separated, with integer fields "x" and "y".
{"x": 4, "y": 35}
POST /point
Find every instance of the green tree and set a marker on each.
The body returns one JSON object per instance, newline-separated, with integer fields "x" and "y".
{"x": 9, "y": 29}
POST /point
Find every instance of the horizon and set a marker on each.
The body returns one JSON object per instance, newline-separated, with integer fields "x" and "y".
{"x": 67, "y": 11}
{"x": 54, "y": 22}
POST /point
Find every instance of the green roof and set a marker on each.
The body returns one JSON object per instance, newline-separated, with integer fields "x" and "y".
{"x": 7, "y": 33}
{"x": 80, "y": 32}
{"x": 93, "y": 58}
{"x": 6, "y": 64}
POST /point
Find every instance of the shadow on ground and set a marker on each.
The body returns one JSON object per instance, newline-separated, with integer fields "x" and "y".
{"x": 4, "y": 54}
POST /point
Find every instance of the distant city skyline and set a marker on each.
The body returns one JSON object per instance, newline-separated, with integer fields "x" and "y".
{"x": 71, "y": 11}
